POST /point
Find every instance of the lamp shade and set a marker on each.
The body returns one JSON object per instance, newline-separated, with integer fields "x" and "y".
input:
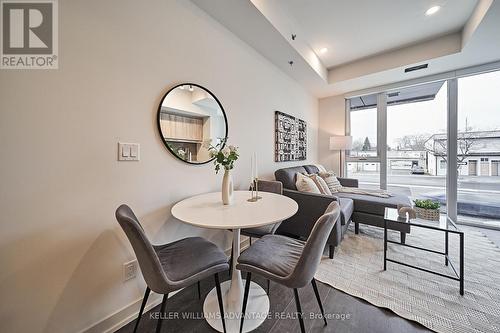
{"x": 340, "y": 142}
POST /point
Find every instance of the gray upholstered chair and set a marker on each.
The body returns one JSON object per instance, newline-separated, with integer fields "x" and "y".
{"x": 263, "y": 186}
{"x": 170, "y": 267}
{"x": 288, "y": 261}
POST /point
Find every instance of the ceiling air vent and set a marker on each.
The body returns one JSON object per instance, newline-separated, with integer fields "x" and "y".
{"x": 394, "y": 94}
{"x": 416, "y": 68}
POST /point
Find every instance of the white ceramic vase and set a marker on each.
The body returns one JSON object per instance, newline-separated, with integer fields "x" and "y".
{"x": 227, "y": 188}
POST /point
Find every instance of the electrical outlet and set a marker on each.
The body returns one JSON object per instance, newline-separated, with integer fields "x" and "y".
{"x": 129, "y": 270}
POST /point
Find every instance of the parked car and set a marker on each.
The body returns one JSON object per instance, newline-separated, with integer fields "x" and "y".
{"x": 417, "y": 170}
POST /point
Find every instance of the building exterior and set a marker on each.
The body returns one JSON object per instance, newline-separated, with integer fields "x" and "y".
{"x": 478, "y": 154}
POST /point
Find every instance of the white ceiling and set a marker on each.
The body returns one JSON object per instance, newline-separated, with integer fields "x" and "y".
{"x": 370, "y": 42}
{"x": 357, "y": 29}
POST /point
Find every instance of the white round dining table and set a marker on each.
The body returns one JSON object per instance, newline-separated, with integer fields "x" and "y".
{"x": 207, "y": 211}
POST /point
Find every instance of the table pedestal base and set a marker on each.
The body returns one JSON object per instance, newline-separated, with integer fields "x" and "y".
{"x": 256, "y": 312}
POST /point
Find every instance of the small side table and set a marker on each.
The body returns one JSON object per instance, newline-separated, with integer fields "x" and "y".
{"x": 445, "y": 225}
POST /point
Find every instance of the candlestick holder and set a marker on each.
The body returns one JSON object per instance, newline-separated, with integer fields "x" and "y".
{"x": 257, "y": 189}
{"x": 254, "y": 189}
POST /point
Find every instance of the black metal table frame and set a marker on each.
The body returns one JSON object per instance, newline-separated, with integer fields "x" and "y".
{"x": 457, "y": 277}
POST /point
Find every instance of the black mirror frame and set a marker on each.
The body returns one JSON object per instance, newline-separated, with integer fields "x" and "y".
{"x": 159, "y": 126}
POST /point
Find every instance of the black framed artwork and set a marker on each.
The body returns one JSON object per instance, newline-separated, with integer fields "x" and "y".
{"x": 290, "y": 138}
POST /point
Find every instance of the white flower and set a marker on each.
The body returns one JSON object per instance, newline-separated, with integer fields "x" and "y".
{"x": 181, "y": 152}
{"x": 226, "y": 151}
{"x": 233, "y": 148}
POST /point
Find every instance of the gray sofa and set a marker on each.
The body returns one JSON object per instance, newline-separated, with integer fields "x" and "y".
{"x": 353, "y": 207}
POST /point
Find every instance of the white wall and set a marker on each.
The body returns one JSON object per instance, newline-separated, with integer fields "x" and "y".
{"x": 61, "y": 250}
{"x": 331, "y": 122}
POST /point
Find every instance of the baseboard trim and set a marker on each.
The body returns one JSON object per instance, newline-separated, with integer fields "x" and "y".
{"x": 129, "y": 313}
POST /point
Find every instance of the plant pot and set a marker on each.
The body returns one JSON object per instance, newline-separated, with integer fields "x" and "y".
{"x": 227, "y": 188}
{"x": 428, "y": 214}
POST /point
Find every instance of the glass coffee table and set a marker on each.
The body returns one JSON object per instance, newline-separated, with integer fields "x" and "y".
{"x": 445, "y": 225}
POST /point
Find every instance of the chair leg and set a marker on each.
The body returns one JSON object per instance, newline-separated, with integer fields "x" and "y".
{"x": 144, "y": 301}
{"x": 162, "y": 311}
{"x": 221, "y": 301}
{"x": 245, "y": 299}
{"x": 250, "y": 241}
{"x": 268, "y": 286}
{"x": 199, "y": 290}
{"x": 331, "y": 251}
{"x": 318, "y": 298}
{"x": 299, "y": 310}
{"x": 356, "y": 228}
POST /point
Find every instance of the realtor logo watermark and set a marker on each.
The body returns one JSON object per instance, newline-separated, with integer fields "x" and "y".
{"x": 29, "y": 34}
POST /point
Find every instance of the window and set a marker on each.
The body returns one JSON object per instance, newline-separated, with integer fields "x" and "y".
{"x": 416, "y": 135}
{"x": 479, "y": 149}
{"x": 364, "y": 132}
{"x": 400, "y": 142}
{"x": 363, "y": 161}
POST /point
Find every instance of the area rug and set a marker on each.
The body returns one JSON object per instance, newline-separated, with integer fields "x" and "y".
{"x": 433, "y": 301}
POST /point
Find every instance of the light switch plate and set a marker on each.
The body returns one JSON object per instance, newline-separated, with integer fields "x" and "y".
{"x": 128, "y": 151}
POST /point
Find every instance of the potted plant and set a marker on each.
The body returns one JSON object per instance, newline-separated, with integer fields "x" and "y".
{"x": 427, "y": 209}
{"x": 225, "y": 156}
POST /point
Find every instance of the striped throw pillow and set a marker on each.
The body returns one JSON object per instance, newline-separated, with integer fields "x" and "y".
{"x": 331, "y": 180}
{"x": 320, "y": 183}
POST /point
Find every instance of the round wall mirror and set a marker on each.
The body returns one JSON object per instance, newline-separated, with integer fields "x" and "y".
{"x": 190, "y": 120}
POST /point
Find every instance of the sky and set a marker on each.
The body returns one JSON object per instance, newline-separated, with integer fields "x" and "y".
{"x": 477, "y": 101}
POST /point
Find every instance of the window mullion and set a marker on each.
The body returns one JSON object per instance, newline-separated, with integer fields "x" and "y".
{"x": 382, "y": 137}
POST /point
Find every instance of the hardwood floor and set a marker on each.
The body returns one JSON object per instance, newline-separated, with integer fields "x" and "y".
{"x": 349, "y": 314}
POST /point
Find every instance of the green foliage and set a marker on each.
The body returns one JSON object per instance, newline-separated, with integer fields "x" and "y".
{"x": 366, "y": 145}
{"x": 223, "y": 155}
{"x": 427, "y": 204}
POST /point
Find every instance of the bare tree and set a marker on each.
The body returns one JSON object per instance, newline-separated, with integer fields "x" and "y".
{"x": 413, "y": 142}
{"x": 465, "y": 143}
{"x": 357, "y": 145}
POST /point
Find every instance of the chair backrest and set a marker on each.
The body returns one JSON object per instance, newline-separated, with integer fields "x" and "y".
{"x": 313, "y": 249}
{"x": 149, "y": 262}
{"x": 272, "y": 186}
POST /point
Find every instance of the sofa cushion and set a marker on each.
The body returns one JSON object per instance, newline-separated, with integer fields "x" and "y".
{"x": 287, "y": 176}
{"x": 374, "y": 205}
{"x": 346, "y": 209}
{"x": 311, "y": 168}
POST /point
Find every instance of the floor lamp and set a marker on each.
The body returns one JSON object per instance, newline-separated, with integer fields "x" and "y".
{"x": 341, "y": 143}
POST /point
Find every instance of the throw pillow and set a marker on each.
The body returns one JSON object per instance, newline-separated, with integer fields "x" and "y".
{"x": 306, "y": 184}
{"x": 320, "y": 183}
{"x": 331, "y": 180}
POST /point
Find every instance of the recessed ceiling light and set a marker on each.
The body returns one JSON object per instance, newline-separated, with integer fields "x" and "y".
{"x": 323, "y": 50}
{"x": 432, "y": 10}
